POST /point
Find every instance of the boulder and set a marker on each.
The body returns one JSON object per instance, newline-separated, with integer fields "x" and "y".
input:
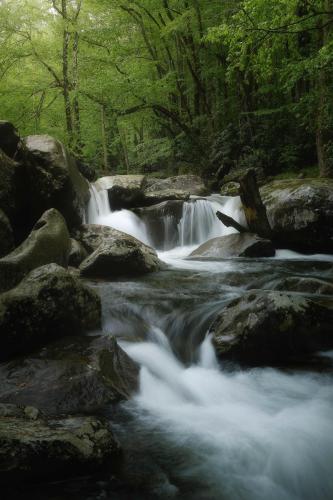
{"x": 300, "y": 212}
{"x": 13, "y": 202}
{"x": 161, "y": 221}
{"x": 180, "y": 187}
{"x": 40, "y": 448}
{"x": 73, "y": 375}
{"x": 263, "y": 328}
{"x": 125, "y": 191}
{"x": 9, "y": 138}
{"x": 77, "y": 253}
{"x": 48, "y": 242}
{"x": 6, "y": 235}
{"x": 55, "y": 180}
{"x": 304, "y": 284}
{"x": 234, "y": 245}
{"x": 48, "y": 304}
{"x": 115, "y": 253}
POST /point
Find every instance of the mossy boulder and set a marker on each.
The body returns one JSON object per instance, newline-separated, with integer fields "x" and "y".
{"x": 263, "y": 328}
{"x": 77, "y": 374}
{"x": 6, "y": 235}
{"x": 34, "y": 449}
{"x": 180, "y": 187}
{"x": 77, "y": 253}
{"x": 300, "y": 212}
{"x": 49, "y": 303}
{"x": 115, "y": 253}
{"x": 48, "y": 242}
{"x": 234, "y": 245}
{"x": 55, "y": 180}
{"x": 124, "y": 191}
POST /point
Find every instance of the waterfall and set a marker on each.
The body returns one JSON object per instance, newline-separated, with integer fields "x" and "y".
{"x": 99, "y": 212}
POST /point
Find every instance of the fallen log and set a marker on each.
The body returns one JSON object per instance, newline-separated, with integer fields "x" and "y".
{"x": 254, "y": 209}
{"x": 230, "y": 222}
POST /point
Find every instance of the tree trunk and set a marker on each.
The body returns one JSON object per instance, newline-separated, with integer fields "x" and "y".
{"x": 254, "y": 209}
{"x": 104, "y": 139}
{"x": 66, "y": 85}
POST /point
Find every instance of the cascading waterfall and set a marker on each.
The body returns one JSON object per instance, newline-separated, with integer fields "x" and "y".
{"x": 99, "y": 212}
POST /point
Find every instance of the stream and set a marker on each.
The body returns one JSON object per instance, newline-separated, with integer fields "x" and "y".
{"x": 198, "y": 429}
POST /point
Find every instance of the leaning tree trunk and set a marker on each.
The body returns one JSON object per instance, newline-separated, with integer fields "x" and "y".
{"x": 254, "y": 209}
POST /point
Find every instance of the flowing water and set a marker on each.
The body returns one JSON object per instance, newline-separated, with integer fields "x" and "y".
{"x": 198, "y": 429}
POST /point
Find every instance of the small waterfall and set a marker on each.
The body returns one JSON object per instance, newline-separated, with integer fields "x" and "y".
{"x": 199, "y": 222}
{"x": 99, "y": 212}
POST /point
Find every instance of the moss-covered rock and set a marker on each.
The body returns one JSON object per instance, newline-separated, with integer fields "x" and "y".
{"x": 300, "y": 212}
{"x": 115, "y": 253}
{"x": 48, "y": 304}
{"x": 6, "y": 235}
{"x": 55, "y": 180}
{"x": 74, "y": 375}
{"x": 234, "y": 245}
{"x": 125, "y": 191}
{"x": 77, "y": 253}
{"x": 48, "y": 242}
{"x": 40, "y": 448}
{"x": 180, "y": 187}
{"x": 263, "y": 328}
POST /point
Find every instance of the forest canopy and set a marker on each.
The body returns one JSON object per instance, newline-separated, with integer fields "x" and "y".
{"x": 173, "y": 86}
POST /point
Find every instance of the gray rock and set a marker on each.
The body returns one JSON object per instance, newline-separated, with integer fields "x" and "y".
{"x": 9, "y": 138}
{"x": 115, "y": 253}
{"x": 6, "y": 235}
{"x": 234, "y": 245}
{"x": 180, "y": 187}
{"x": 74, "y": 375}
{"x": 263, "y": 328}
{"x": 304, "y": 285}
{"x": 161, "y": 221}
{"x": 54, "y": 449}
{"x": 48, "y": 304}
{"x": 300, "y": 212}
{"x": 77, "y": 253}
{"x": 56, "y": 181}
{"x": 125, "y": 191}
{"x": 48, "y": 242}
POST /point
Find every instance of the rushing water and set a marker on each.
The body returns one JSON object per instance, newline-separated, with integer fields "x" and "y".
{"x": 196, "y": 429}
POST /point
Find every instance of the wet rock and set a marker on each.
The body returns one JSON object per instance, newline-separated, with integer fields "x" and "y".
{"x": 48, "y": 304}
{"x": 6, "y": 235}
{"x": 125, "y": 191}
{"x": 304, "y": 285}
{"x": 9, "y": 138}
{"x": 73, "y": 375}
{"x": 115, "y": 253}
{"x": 300, "y": 213}
{"x": 161, "y": 221}
{"x": 180, "y": 187}
{"x": 77, "y": 253}
{"x": 54, "y": 448}
{"x": 263, "y": 328}
{"x": 48, "y": 242}
{"x": 234, "y": 245}
{"x": 55, "y": 180}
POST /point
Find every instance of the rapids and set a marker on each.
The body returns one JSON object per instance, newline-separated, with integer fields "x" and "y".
{"x": 199, "y": 430}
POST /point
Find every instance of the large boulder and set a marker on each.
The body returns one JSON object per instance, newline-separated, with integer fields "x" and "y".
{"x": 74, "y": 375}
{"x": 55, "y": 180}
{"x": 48, "y": 304}
{"x": 234, "y": 245}
{"x": 9, "y": 138}
{"x": 48, "y": 242}
{"x": 162, "y": 222}
{"x": 263, "y": 328}
{"x": 37, "y": 448}
{"x": 115, "y": 253}
{"x": 180, "y": 187}
{"x": 6, "y": 235}
{"x": 124, "y": 191}
{"x": 303, "y": 284}
{"x": 300, "y": 212}
{"x": 77, "y": 253}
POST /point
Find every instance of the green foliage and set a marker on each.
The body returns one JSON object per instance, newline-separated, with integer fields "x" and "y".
{"x": 173, "y": 86}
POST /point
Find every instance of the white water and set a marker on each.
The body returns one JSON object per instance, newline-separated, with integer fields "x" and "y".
{"x": 99, "y": 212}
{"x": 253, "y": 435}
